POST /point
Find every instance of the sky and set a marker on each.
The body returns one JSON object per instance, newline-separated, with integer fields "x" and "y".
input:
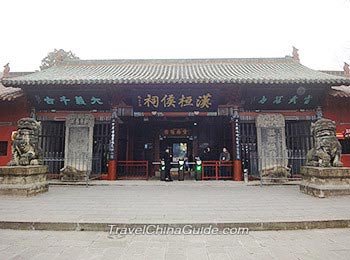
{"x": 147, "y": 29}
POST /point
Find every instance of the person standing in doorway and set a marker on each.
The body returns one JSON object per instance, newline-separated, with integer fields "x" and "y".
{"x": 167, "y": 160}
{"x": 209, "y": 171}
{"x": 207, "y": 154}
{"x": 224, "y": 158}
{"x": 190, "y": 161}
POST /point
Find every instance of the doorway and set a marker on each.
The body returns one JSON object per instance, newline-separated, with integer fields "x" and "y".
{"x": 180, "y": 148}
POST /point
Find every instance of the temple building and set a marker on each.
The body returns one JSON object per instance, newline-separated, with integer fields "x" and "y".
{"x": 337, "y": 107}
{"x": 125, "y": 113}
{"x": 13, "y": 106}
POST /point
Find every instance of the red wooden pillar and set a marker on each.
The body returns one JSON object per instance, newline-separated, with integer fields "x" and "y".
{"x": 237, "y": 170}
{"x": 237, "y": 162}
{"x": 112, "y": 170}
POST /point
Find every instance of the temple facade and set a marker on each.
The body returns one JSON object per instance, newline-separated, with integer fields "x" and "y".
{"x": 107, "y": 115}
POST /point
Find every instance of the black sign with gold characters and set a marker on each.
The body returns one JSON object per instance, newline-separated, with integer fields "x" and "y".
{"x": 177, "y": 132}
{"x": 283, "y": 98}
{"x": 70, "y": 100}
{"x": 175, "y": 101}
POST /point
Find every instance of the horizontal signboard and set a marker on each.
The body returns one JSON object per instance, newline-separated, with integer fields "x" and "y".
{"x": 282, "y": 98}
{"x": 175, "y": 101}
{"x": 70, "y": 100}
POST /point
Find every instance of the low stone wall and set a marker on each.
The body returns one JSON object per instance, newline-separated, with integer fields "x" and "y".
{"x": 23, "y": 180}
{"x": 325, "y": 181}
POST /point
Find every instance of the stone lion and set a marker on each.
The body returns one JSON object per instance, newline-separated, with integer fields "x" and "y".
{"x": 327, "y": 149}
{"x": 25, "y": 143}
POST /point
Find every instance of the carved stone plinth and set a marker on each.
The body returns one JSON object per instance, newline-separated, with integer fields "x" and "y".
{"x": 23, "y": 180}
{"x": 69, "y": 173}
{"x": 325, "y": 181}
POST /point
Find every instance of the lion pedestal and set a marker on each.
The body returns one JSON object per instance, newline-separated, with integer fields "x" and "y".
{"x": 24, "y": 175}
{"x": 23, "y": 180}
{"x": 324, "y": 175}
{"x": 323, "y": 182}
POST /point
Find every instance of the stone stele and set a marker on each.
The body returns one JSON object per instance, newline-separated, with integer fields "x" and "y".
{"x": 78, "y": 147}
{"x": 324, "y": 175}
{"x": 272, "y": 150}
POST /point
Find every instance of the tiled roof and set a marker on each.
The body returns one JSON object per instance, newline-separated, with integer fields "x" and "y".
{"x": 340, "y": 91}
{"x": 9, "y": 94}
{"x": 240, "y": 71}
{"x": 334, "y": 72}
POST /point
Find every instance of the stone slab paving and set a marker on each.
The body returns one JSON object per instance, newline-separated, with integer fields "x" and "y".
{"x": 177, "y": 202}
{"x": 300, "y": 244}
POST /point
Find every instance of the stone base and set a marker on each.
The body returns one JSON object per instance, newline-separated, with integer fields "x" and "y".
{"x": 70, "y": 173}
{"x": 23, "y": 180}
{"x": 324, "y": 182}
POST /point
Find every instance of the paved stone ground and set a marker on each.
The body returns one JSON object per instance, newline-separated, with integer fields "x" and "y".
{"x": 302, "y": 244}
{"x": 177, "y": 202}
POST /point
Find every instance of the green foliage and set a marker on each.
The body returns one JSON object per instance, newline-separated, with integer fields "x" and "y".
{"x": 56, "y": 57}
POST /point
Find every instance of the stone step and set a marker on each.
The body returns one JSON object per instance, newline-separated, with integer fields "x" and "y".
{"x": 105, "y": 227}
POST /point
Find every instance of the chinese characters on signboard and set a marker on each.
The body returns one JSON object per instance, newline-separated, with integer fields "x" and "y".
{"x": 112, "y": 141}
{"x": 176, "y": 132}
{"x": 288, "y": 98}
{"x": 285, "y": 100}
{"x": 153, "y": 101}
{"x": 78, "y": 100}
{"x": 237, "y": 137}
{"x": 70, "y": 100}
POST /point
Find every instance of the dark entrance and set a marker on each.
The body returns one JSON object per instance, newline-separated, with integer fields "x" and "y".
{"x": 102, "y": 134}
{"x": 146, "y": 138}
{"x": 52, "y": 141}
{"x": 180, "y": 147}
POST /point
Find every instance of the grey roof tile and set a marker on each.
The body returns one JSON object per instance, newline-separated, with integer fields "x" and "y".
{"x": 9, "y": 94}
{"x": 249, "y": 70}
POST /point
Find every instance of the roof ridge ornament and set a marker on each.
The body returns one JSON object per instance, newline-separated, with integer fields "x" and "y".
{"x": 59, "y": 57}
{"x": 295, "y": 54}
{"x": 6, "y": 72}
{"x": 346, "y": 70}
